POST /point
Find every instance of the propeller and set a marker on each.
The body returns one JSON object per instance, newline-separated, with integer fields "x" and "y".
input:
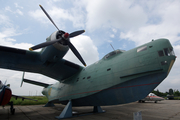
{"x": 65, "y": 37}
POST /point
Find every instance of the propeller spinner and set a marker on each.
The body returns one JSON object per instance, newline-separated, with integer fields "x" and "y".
{"x": 65, "y": 37}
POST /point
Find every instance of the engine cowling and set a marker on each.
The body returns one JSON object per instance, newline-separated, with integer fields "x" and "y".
{"x": 56, "y": 51}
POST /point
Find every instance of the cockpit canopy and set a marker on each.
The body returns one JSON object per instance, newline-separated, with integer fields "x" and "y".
{"x": 113, "y": 53}
{"x": 152, "y": 94}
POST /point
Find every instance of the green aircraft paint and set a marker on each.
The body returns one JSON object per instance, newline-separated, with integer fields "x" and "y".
{"x": 119, "y": 77}
{"x": 114, "y": 79}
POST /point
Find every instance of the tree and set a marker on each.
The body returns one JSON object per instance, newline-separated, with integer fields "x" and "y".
{"x": 176, "y": 93}
{"x": 171, "y": 91}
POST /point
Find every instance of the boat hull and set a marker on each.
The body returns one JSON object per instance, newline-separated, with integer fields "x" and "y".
{"x": 126, "y": 92}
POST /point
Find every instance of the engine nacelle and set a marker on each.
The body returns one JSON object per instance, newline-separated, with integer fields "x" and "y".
{"x": 56, "y": 51}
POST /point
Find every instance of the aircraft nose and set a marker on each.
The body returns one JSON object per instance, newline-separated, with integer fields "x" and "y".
{"x": 44, "y": 91}
{"x": 162, "y": 99}
{"x": 171, "y": 64}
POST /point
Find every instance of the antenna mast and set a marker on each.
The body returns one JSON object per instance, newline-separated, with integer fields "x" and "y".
{"x": 112, "y": 47}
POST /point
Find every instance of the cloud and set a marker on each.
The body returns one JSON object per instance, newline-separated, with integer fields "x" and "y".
{"x": 118, "y": 14}
{"x": 60, "y": 16}
{"x": 17, "y": 6}
{"x": 17, "y": 11}
{"x": 7, "y": 31}
{"x": 86, "y": 48}
{"x": 169, "y": 26}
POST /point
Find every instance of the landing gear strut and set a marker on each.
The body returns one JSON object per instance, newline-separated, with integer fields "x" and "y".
{"x": 12, "y": 108}
{"x": 67, "y": 111}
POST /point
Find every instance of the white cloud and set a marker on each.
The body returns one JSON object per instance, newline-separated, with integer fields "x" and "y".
{"x": 169, "y": 26}
{"x": 17, "y": 6}
{"x": 117, "y": 14}
{"x": 114, "y": 30}
{"x": 112, "y": 35}
{"x": 7, "y": 8}
{"x": 86, "y": 48}
{"x": 59, "y": 16}
{"x": 4, "y": 20}
{"x": 17, "y": 11}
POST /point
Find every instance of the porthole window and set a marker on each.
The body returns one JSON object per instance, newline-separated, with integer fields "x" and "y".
{"x": 108, "y": 69}
{"x": 160, "y": 53}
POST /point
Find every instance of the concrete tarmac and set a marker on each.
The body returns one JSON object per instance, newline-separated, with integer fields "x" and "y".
{"x": 164, "y": 110}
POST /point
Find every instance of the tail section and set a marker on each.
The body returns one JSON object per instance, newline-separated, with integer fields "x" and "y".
{"x": 33, "y": 82}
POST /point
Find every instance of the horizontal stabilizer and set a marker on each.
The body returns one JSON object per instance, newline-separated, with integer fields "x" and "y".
{"x": 33, "y": 82}
{"x": 36, "y": 83}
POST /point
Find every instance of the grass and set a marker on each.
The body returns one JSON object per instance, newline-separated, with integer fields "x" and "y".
{"x": 40, "y": 100}
{"x": 176, "y": 98}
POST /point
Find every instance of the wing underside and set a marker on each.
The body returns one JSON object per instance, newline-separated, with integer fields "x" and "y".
{"x": 28, "y": 61}
{"x": 16, "y": 96}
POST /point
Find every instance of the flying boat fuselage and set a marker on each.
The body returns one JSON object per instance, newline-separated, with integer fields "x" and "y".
{"x": 119, "y": 77}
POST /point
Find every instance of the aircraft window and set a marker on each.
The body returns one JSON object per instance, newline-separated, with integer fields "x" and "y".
{"x": 163, "y": 62}
{"x": 142, "y": 49}
{"x": 166, "y": 51}
{"x": 77, "y": 79}
{"x": 110, "y": 54}
{"x": 113, "y": 53}
{"x": 160, "y": 53}
{"x": 83, "y": 77}
{"x": 171, "y": 51}
{"x": 109, "y": 69}
{"x": 88, "y": 77}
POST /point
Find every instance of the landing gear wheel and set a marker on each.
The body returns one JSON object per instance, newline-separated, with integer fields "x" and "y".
{"x": 12, "y": 108}
{"x": 12, "y": 111}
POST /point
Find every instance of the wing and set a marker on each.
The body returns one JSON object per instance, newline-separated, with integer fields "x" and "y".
{"x": 28, "y": 61}
{"x": 16, "y": 96}
{"x": 17, "y": 59}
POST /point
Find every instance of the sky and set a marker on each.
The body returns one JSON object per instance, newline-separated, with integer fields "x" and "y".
{"x": 125, "y": 24}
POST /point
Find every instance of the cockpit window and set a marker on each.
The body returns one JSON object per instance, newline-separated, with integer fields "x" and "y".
{"x": 171, "y": 51}
{"x": 166, "y": 51}
{"x": 160, "y": 53}
{"x": 142, "y": 49}
{"x": 113, "y": 53}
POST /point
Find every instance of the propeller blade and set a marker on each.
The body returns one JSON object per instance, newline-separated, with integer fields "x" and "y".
{"x": 43, "y": 44}
{"x": 48, "y": 16}
{"x": 76, "y": 52}
{"x": 76, "y": 33}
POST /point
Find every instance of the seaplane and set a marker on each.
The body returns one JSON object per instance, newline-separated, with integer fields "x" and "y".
{"x": 120, "y": 77}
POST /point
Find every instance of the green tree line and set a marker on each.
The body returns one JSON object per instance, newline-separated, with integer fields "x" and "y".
{"x": 171, "y": 92}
